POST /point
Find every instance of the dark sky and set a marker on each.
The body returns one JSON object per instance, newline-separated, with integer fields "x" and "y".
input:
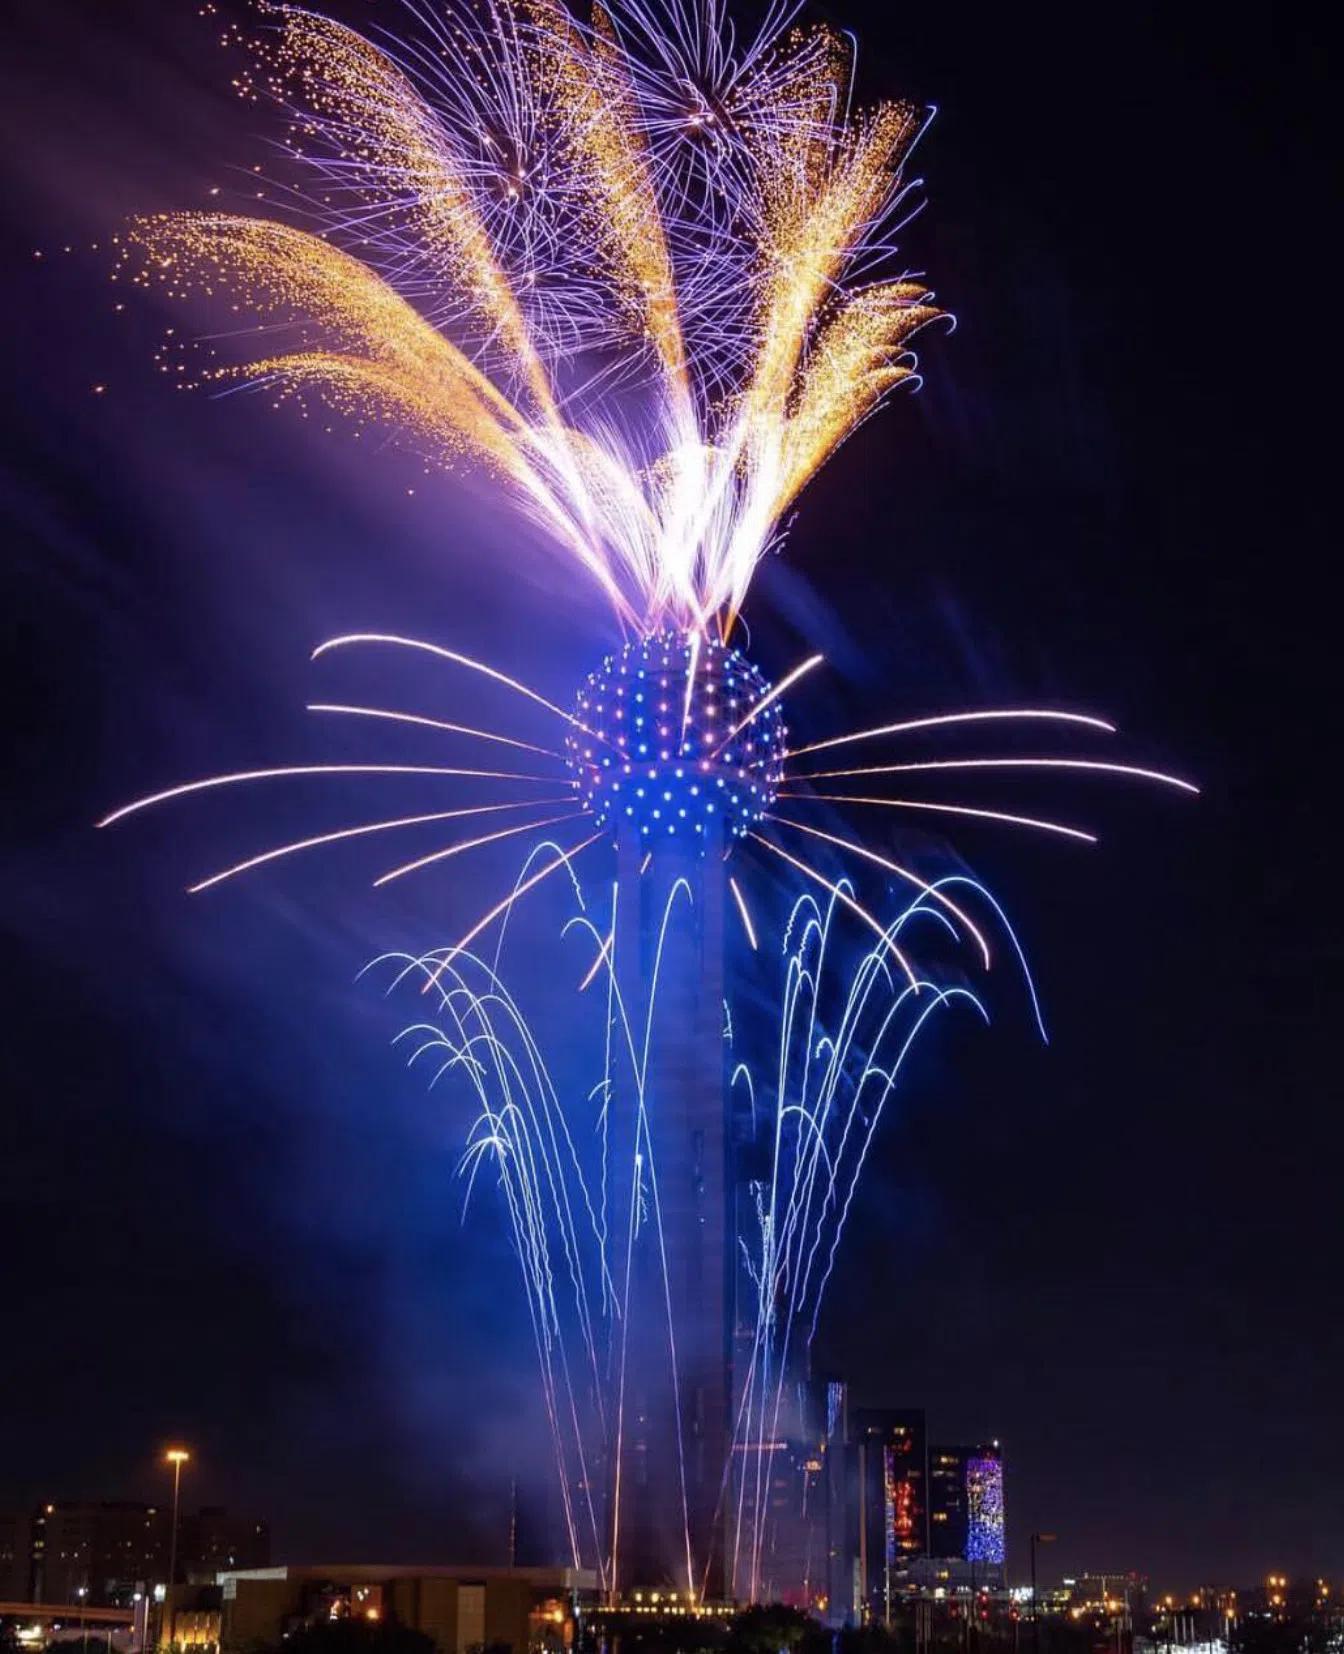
{"x": 229, "y": 1215}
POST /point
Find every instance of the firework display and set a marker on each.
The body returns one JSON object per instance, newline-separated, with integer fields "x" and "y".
{"x": 641, "y": 273}
{"x": 511, "y": 190}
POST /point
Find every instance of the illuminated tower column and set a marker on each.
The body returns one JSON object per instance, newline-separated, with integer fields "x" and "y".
{"x": 684, "y": 1252}
{"x": 677, "y": 743}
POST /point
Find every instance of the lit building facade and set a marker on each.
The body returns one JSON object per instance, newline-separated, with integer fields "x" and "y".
{"x": 892, "y": 1487}
{"x": 947, "y": 1502}
{"x": 899, "y": 1518}
{"x": 97, "y": 1552}
{"x": 966, "y": 1510}
{"x": 984, "y": 1507}
{"x": 101, "y": 1553}
{"x": 523, "y": 1609}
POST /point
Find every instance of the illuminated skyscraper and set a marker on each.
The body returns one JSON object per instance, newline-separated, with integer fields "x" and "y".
{"x": 839, "y": 1514}
{"x": 984, "y": 1507}
{"x": 966, "y": 1522}
{"x": 893, "y": 1504}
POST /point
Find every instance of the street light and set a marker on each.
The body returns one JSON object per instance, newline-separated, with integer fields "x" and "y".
{"x": 1037, "y": 1539}
{"x": 177, "y": 1457}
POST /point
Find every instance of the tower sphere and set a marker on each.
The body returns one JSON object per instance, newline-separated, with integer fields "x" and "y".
{"x": 668, "y": 744}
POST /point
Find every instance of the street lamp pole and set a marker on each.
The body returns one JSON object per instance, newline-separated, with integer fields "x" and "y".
{"x": 1037, "y": 1539}
{"x": 177, "y": 1457}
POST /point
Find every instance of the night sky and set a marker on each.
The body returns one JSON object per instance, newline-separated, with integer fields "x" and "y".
{"x": 227, "y": 1212}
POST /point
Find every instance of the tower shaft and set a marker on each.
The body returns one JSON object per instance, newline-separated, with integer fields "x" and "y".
{"x": 676, "y": 1447}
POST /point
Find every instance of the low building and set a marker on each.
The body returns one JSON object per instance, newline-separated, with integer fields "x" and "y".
{"x": 215, "y": 1540}
{"x": 527, "y": 1610}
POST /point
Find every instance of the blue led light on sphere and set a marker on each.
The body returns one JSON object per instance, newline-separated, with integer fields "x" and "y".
{"x": 668, "y": 745}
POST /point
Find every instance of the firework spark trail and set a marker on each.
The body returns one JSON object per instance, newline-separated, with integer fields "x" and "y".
{"x": 742, "y": 909}
{"x": 889, "y": 1077}
{"x": 517, "y": 211}
{"x": 536, "y": 1155}
{"x": 770, "y": 1269}
{"x": 854, "y": 907}
{"x": 450, "y": 655}
{"x": 776, "y": 1266}
{"x": 1133, "y": 771}
{"x": 436, "y": 856}
{"x": 770, "y": 696}
{"x": 777, "y": 1233}
{"x": 563, "y": 858}
{"x": 521, "y": 885}
{"x": 526, "y": 1123}
{"x": 319, "y": 839}
{"x": 518, "y": 1182}
{"x": 1003, "y": 816}
{"x": 433, "y": 723}
{"x": 288, "y": 771}
{"x": 638, "y": 1051}
{"x": 892, "y": 867}
{"x": 942, "y": 720}
{"x": 793, "y": 1241}
{"x": 795, "y": 1259}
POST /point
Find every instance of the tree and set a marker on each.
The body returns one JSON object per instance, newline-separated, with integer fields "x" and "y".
{"x": 772, "y": 1629}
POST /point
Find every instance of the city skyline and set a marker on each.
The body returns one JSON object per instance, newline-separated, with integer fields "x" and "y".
{"x": 214, "y": 1540}
{"x": 234, "y": 1212}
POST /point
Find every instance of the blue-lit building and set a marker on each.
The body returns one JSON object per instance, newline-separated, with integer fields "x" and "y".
{"x": 966, "y": 1513}
{"x": 903, "y": 1518}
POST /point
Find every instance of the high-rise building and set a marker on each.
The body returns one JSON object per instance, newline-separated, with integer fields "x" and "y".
{"x": 101, "y": 1552}
{"x": 947, "y": 1502}
{"x": 97, "y": 1552}
{"x": 839, "y": 1514}
{"x": 984, "y": 1507}
{"x": 892, "y": 1504}
{"x": 898, "y": 1518}
{"x": 966, "y": 1518}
